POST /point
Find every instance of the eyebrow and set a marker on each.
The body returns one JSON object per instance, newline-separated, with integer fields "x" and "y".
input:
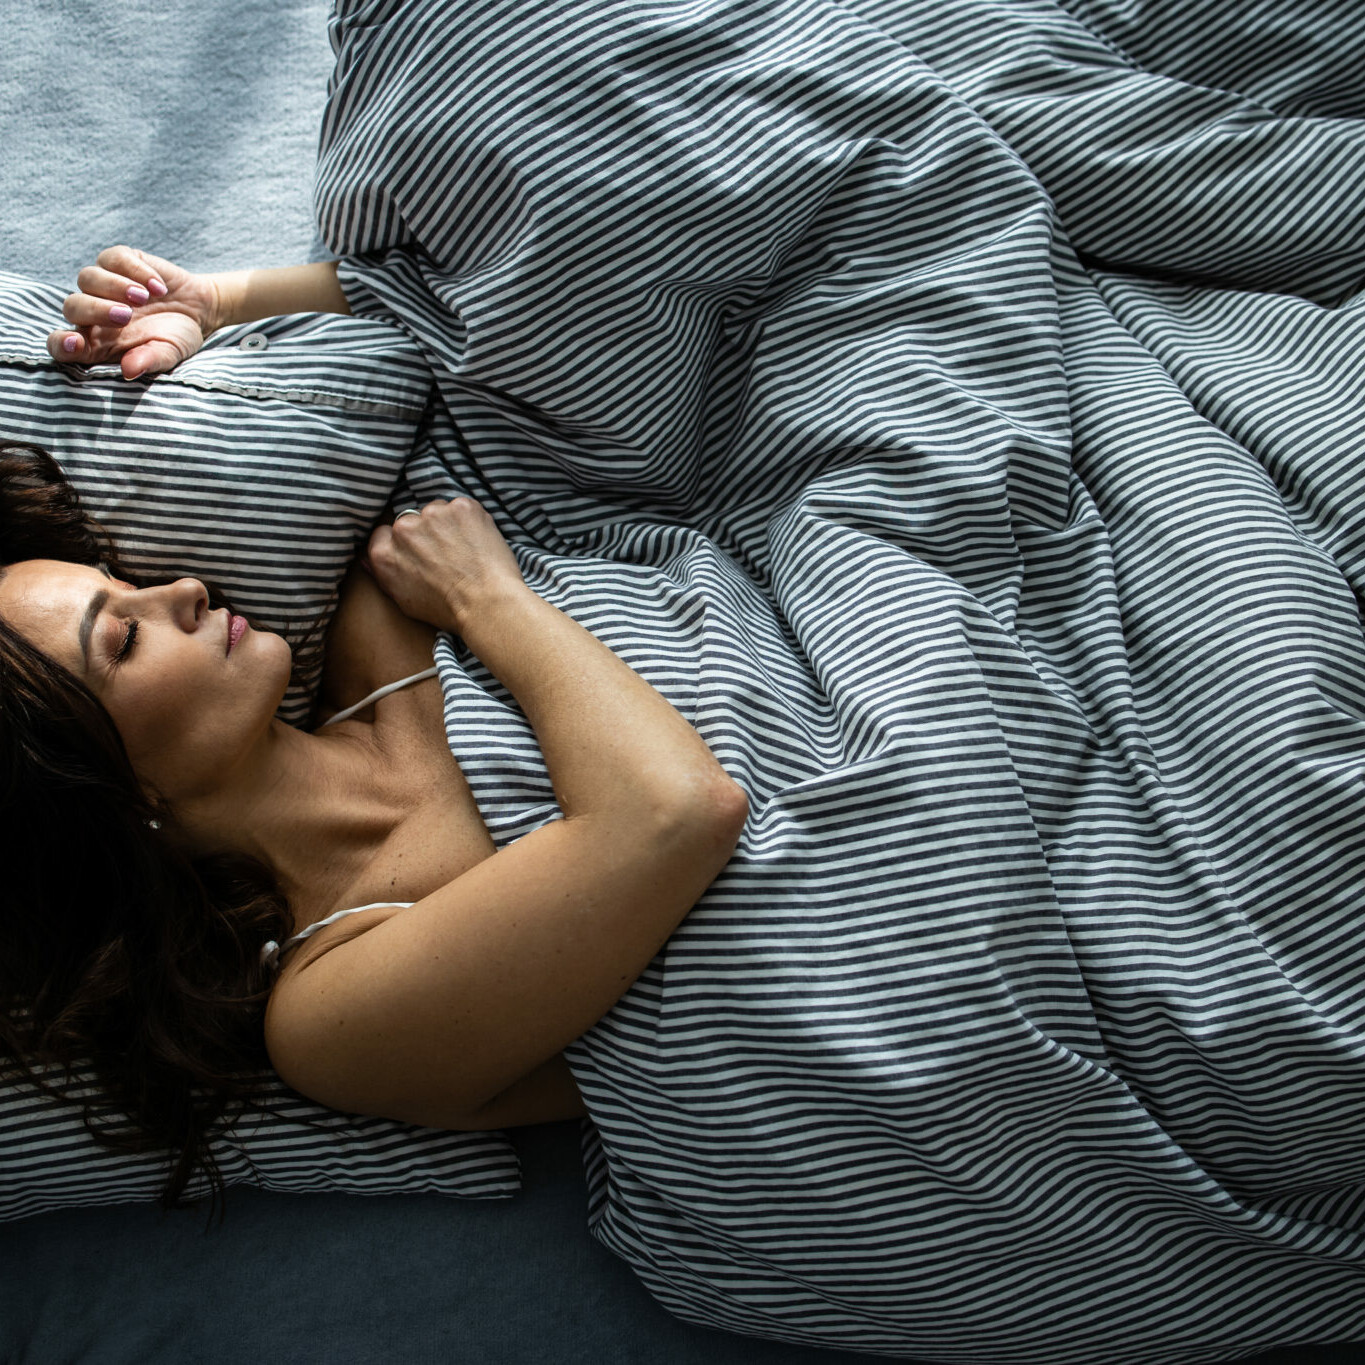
{"x": 88, "y": 621}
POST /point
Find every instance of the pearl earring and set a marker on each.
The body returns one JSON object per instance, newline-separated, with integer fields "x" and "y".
{"x": 153, "y": 824}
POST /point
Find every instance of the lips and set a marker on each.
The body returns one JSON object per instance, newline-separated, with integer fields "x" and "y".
{"x": 237, "y": 627}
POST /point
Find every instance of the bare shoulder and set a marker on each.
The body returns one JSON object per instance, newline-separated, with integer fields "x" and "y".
{"x": 546, "y": 1094}
{"x": 447, "y": 1013}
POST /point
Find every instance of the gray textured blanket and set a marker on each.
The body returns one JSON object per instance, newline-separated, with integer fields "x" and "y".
{"x": 186, "y": 129}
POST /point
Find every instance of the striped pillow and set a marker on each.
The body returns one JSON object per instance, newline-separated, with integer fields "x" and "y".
{"x": 257, "y": 465}
{"x": 48, "y": 1160}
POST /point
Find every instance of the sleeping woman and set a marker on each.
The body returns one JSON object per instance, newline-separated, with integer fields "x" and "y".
{"x": 173, "y": 842}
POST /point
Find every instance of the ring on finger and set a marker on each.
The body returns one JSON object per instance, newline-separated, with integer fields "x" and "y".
{"x": 409, "y": 512}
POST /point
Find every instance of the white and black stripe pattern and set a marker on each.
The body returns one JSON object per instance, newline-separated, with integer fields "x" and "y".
{"x": 1301, "y": 60}
{"x": 904, "y": 391}
{"x": 48, "y": 1160}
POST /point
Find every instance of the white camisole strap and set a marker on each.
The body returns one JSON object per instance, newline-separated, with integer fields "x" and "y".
{"x": 377, "y": 693}
{"x": 271, "y": 953}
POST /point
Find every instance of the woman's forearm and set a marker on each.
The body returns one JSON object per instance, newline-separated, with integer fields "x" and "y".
{"x": 610, "y": 741}
{"x": 247, "y": 295}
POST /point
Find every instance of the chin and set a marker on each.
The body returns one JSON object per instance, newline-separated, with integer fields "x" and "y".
{"x": 281, "y": 655}
{"x": 270, "y": 654}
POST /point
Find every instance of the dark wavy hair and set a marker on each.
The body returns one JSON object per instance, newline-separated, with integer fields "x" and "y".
{"x": 120, "y": 954}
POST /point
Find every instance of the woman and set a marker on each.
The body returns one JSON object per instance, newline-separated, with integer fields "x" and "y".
{"x": 450, "y": 976}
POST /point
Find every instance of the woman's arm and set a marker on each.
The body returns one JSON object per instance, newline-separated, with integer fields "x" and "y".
{"x": 246, "y": 295}
{"x": 149, "y": 314}
{"x": 613, "y": 745}
{"x": 436, "y": 1014}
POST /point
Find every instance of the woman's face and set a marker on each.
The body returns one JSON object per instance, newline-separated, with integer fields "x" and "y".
{"x": 190, "y": 689}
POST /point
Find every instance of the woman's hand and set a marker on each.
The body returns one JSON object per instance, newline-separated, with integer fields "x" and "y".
{"x": 144, "y": 312}
{"x": 444, "y": 563}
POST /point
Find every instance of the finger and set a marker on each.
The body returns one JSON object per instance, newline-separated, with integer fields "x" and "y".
{"x": 378, "y": 559}
{"x": 67, "y": 347}
{"x": 151, "y": 357}
{"x": 381, "y": 541}
{"x": 97, "y": 282}
{"x": 81, "y": 310}
{"x": 139, "y": 267}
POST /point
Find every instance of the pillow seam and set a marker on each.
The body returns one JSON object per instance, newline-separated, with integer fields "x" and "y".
{"x": 315, "y": 397}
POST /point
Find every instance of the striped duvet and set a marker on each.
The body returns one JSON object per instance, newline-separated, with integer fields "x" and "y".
{"x": 957, "y": 410}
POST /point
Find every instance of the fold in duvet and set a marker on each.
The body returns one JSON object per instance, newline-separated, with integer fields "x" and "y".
{"x": 958, "y": 411}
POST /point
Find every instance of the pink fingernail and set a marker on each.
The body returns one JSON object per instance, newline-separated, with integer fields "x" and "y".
{"x": 156, "y": 286}
{"x": 137, "y": 294}
{"x": 70, "y": 344}
{"x": 120, "y": 313}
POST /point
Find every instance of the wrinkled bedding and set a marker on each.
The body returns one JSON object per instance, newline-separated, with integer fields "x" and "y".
{"x": 956, "y": 410}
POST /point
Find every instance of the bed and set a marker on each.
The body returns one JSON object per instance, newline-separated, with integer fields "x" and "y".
{"x": 1093, "y": 350}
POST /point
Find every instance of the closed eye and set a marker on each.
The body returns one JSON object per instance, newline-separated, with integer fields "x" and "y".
{"x": 126, "y": 646}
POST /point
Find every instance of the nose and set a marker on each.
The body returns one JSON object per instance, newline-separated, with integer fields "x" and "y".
{"x": 186, "y": 601}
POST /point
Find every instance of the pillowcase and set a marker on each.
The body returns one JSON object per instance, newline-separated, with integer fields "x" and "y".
{"x": 48, "y": 1160}
{"x": 258, "y": 465}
